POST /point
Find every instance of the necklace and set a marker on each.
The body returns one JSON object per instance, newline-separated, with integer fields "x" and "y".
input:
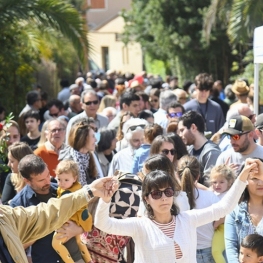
{"x": 251, "y": 223}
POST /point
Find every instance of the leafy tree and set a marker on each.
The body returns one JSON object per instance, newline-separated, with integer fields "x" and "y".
{"x": 27, "y": 26}
{"x": 171, "y": 31}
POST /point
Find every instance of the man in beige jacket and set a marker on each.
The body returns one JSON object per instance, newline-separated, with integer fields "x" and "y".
{"x": 23, "y": 225}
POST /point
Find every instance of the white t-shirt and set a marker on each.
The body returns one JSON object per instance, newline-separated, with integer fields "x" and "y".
{"x": 238, "y": 158}
{"x": 205, "y": 198}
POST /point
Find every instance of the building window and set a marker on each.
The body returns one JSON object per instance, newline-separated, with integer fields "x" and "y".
{"x": 97, "y": 4}
{"x": 105, "y": 58}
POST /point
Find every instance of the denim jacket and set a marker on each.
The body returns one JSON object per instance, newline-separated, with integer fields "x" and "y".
{"x": 237, "y": 225}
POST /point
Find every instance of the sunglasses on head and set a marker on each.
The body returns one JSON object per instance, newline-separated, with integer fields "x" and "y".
{"x": 88, "y": 103}
{"x": 175, "y": 114}
{"x": 157, "y": 194}
{"x": 166, "y": 152}
{"x": 133, "y": 128}
{"x": 236, "y": 137}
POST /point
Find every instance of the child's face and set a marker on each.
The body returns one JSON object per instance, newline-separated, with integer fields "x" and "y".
{"x": 32, "y": 124}
{"x": 219, "y": 183}
{"x": 66, "y": 180}
{"x": 246, "y": 255}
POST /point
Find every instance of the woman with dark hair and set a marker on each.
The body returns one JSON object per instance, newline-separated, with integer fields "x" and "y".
{"x": 81, "y": 143}
{"x": 106, "y": 148}
{"x": 166, "y": 235}
{"x": 247, "y": 217}
{"x": 164, "y": 145}
{"x": 179, "y": 145}
{"x": 151, "y": 131}
{"x": 162, "y": 163}
{"x": 14, "y": 182}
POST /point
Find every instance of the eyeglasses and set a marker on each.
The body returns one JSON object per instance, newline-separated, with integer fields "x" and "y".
{"x": 175, "y": 114}
{"x": 57, "y": 130}
{"x": 236, "y": 137}
{"x": 54, "y": 114}
{"x": 88, "y": 103}
{"x": 154, "y": 100}
{"x": 133, "y": 128}
{"x": 166, "y": 152}
{"x": 157, "y": 194}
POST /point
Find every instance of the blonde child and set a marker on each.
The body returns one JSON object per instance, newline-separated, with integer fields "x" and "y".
{"x": 221, "y": 179}
{"x": 67, "y": 176}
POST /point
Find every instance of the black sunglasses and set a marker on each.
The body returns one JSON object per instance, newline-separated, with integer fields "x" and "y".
{"x": 157, "y": 194}
{"x": 175, "y": 114}
{"x": 54, "y": 114}
{"x": 88, "y": 103}
{"x": 166, "y": 152}
{"x": 132, "y": 128}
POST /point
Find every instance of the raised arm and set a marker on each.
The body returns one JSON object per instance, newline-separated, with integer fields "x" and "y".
{"x": 35, "y": 222}
{"x": 122, "y": 227}
{"x": 229, "y": 201}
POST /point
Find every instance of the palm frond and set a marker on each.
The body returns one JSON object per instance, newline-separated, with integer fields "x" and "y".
{"x": 52, "y": 13}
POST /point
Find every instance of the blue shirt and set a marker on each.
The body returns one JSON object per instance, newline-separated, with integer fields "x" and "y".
{"x": 42, "y": 250}
{"x": 139, "y": 158}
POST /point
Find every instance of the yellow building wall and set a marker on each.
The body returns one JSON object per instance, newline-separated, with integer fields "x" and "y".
{"x": 121, "y": 58}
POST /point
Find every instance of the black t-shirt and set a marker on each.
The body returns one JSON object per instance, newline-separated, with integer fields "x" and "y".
{"x": 31, "y": 142}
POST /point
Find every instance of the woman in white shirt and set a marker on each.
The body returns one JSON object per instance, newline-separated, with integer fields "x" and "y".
{"x": 162, "y": 163}
{"x": 167, "y": 235}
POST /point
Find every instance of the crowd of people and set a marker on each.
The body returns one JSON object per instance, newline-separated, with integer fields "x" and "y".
{"x": 162, "y": 173}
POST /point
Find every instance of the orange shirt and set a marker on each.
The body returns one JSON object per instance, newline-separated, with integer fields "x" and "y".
{"x": 50, "y": 157}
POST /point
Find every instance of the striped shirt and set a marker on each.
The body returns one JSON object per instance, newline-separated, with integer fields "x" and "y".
{"x": 168, "y": 230}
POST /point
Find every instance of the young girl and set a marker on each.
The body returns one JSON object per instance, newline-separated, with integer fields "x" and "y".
{"x": 221, "y": 179}
{"x": 67, "y": 176}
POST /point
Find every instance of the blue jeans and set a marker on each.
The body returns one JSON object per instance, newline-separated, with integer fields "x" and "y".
{"x": 204, "y": 255}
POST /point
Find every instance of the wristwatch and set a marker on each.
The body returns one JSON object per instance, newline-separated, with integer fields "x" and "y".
{"x": 90, "y": 192}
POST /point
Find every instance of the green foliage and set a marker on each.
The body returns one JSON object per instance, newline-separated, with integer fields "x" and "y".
{"x": 3, "y": 142}
{"x": 172, "y": 31}
{"x": 32, "y": 30}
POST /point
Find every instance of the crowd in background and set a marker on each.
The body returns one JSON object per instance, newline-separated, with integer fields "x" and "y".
{"x": 200, "y": 134}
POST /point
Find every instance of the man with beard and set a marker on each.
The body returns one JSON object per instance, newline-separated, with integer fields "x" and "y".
{"x": 241, "y": 132}
{"x": 191, "y": 129}
{"x": 39, "y": 189}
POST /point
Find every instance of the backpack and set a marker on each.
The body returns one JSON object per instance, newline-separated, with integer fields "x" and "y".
{"x": 126, "y": 200}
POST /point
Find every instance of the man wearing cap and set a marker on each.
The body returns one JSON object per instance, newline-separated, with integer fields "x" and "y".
{"x": 259, "y": 129}
{"x": 210, "y": 110}
{"x": 241, "y": 91}
{"x": 241, "y": 132}
{"x": 191, "y": 128}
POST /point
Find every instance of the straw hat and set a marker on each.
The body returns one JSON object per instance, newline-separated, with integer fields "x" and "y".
{"x": 240, "y": 87}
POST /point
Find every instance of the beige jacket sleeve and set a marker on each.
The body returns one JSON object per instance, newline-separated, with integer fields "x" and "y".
{"x": 35, "y": 222}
